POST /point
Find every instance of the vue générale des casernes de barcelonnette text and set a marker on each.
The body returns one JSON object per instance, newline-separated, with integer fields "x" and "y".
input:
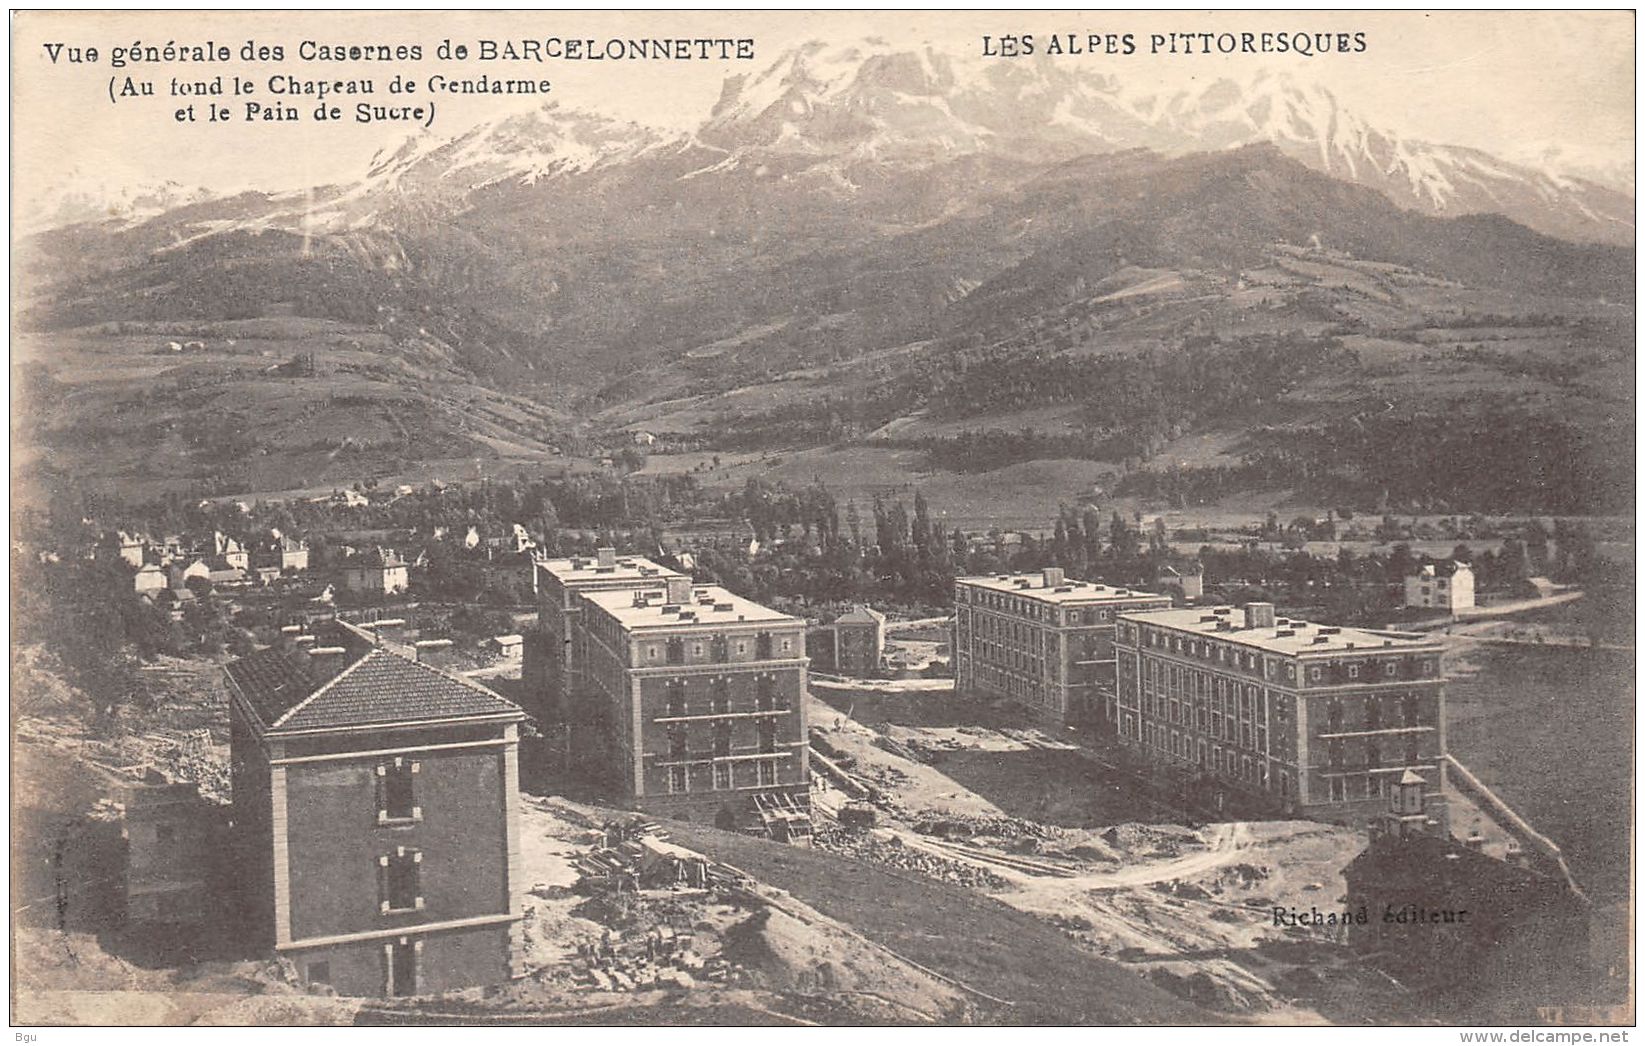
{"x": 553, "y": 48}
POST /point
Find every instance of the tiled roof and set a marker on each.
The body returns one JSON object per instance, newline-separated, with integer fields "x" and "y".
{"x": 363, "y": 686}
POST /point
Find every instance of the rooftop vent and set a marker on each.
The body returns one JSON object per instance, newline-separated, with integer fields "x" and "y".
{"x": 1350, "y": 646}
{"x": 1206, "y": 618}
{"x": 1322, "y": 639}
{"x": 688, "y": 615}
{"x": 1065, "y": 588}
{"x": 1225, "y": 626}
{"x": 1387, "y": 642}
{"x": 723, "y": 607}
{"x": 625, "y": 562}
{"x": 1122, "y": 591}
{"x": 1223, "y": 611}
{"x": 1282, "y": 633}
{"x": 671, "y": 608}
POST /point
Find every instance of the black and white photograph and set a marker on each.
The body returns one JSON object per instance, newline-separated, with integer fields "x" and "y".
{"x": 781, "y": 519}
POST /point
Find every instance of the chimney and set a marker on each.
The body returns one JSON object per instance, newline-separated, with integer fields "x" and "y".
{"x": 1052, "y": 575}
{"x": 1259, "y": 615}
{"x": 679, "y": 590}
{"x": 605, "y": 557}
{"x": 327, "y": 658}
{"x": 1475, "y": 841}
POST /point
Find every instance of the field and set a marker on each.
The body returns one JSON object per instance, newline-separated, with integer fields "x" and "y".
{"x": 1552, "y": 731}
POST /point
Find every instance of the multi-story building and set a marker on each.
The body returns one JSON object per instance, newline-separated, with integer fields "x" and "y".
{"x": 1447, "y": 586}
{"x": 376, "y": 815}
{"x": 1042, "y": 640}
{"x": 380, "y": 572}
{"x": 552, "y": 664}
{"x": 859, "y": 641}
{"x": 1314, "y": 720}
{"x": 697, "y": 697}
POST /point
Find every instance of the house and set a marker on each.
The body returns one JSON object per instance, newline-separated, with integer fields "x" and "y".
{"x": 380, "y": 572}
{"x": 1445, "y": 586}
{"x": 1190, "y": 579}
{"x": 507, "y": 648}
{"x": 266, "y": 575}
{"x": 859, "y": 641}
{"x": 172, "y": 844}
{"x": 231, "y": 551}
{"x": 181, "y": 571}
{"x": 377, "y": 816}
{"x": 1441, "y": 913}
{"x": 149, "y": 578}
{"x": 223, "y": 571}
{"x": 131, "y": 547}
{"x": 293, "y": 554}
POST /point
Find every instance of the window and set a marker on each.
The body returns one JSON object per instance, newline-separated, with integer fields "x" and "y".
{"x": 1314, "y": 674}
{"x": 1334, "y": 753}
{"x": 1413, "y": 751}
{"x": 1373, "y": 756}
{"x": 651, "y": 652}
{"x": 762, "y": 646}
{"x": 396, "y": 791}
{"x": 1373, "y": 713}
{"x": 1353, "y": 671}
{"x": 676, "y": 744}
{"x": 764, "y": 695}
{"x": 1333, "y": 715}
{"x": 768, "y": 771}
{"x": 399, "y": 880}
{"x": 676, "y": 651}
{"x": 676, "y": 779}
{"x": 722, "y": 740}
{"x": 1410, "y": 710}
{"x": 676, "y": 699}
{"x": 719, "y": 649}
{"x": 1390, "y": 668}
{"x": 1339, "y": 790}
{"x": 402, "y": 958}
{"x": 768, "y": 735}
{"x": 722, "y": 775}
{"x": 719, "y": 703}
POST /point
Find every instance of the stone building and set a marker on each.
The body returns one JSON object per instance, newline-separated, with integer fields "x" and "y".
{"x": 1307, "y": 718}
{"x": 376, "y": 814}
{"x": 1042, "y": 640}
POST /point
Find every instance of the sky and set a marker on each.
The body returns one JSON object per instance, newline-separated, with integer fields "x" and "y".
{"x": 1554, "y": 88}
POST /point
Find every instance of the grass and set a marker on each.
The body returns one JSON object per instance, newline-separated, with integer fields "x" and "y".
{"x": 1551, "y": 730}
{"x": 1046, "y": 976}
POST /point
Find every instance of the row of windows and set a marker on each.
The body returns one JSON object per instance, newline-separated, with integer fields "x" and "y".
{"x": 718, "y": 777}
{"x": 679, "y": 739}
{"x": 1336, "y": 759}
{"x": 768, "y": 697}
{"x": 1378, "y": 714}
{"x": 1212, "y": 758}
{"x": 677, "y": 650}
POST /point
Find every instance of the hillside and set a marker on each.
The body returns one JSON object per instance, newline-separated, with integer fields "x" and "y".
{"x": 844, "y": 234}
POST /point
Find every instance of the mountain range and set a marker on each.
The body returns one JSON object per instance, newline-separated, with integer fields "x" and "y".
{"x": 843, "y": 209}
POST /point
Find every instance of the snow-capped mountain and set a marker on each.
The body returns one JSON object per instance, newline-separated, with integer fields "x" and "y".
{"x": 864, "y": 102}
{"x": 831, "y": 118}
{"x": 82, "y": 196}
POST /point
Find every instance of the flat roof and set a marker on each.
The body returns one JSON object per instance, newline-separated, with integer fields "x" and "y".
{"x": 1302, "y": 634}
{"x": 710, "y": 605}
{"x": 1070, "y": 591}
{"x": 583, "y": 569}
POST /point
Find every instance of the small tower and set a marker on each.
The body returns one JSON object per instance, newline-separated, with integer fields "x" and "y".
{"x": 1407, "y": 807}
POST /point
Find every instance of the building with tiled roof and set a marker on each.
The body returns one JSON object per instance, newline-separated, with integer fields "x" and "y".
{"x": 859, "y": 641}
{"x": 376, "y": 811}
{"x": 1310, "y": 719}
